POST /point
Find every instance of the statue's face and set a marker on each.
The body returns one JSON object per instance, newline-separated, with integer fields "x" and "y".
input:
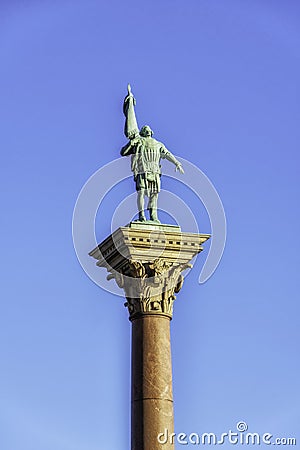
{"x": 146, "y": 131}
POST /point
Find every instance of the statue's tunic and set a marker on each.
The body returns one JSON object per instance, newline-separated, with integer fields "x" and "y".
{"x": 145, "y": 163}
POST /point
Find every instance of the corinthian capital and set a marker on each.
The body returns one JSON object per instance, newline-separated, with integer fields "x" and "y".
{"x": 148, "y": 264}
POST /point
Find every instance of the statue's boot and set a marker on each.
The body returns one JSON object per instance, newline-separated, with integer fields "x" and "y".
{"x": 153, "y": 215}
{"x": 142, "y": 217}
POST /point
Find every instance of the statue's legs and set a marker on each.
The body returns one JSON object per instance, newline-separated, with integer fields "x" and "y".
{"x": 152, "y": 206}
{"x": 140, "y": 204}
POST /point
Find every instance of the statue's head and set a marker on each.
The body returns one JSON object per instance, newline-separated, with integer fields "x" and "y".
{"x": 146, "y": 131}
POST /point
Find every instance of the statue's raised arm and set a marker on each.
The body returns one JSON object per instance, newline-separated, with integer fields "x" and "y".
{"x": 131, "y": 129}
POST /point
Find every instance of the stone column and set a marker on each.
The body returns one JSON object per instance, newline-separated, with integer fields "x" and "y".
{"x": 147, "y": 263}
{"x": 151, "y": 388}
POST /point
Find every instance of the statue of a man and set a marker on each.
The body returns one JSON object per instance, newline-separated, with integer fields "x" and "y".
{"x": 146, "y": 153}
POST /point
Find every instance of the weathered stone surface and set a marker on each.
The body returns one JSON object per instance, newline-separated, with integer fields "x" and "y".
{"x": 152, "y": 398}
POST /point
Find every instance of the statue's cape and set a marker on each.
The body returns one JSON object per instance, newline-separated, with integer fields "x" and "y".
{"x": 131, "y": 128}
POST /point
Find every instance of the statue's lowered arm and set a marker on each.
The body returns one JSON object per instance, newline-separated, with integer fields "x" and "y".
{"x": 170, "y": 157}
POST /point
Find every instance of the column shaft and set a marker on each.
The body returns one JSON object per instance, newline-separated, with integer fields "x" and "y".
{"x": 152, "y": 397}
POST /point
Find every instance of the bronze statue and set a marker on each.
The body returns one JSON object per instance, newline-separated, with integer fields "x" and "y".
{"x": 146, "y": 153}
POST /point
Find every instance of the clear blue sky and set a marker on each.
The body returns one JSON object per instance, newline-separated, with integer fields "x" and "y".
{"x": 219, "y": 83}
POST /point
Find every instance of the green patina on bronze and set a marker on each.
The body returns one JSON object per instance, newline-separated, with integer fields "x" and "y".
{"x": 146, "y": 154}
